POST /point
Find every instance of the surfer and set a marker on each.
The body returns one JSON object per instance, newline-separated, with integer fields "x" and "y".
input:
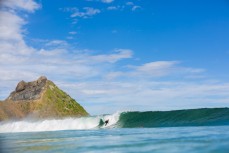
{"x": 106, "y": 122}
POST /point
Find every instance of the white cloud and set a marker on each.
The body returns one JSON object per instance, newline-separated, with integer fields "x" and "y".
{"x": 26, "y": 5}
{"x": 128, "y": 5}
{"x": 112, "y": 58}
{"x": 135, "y": 7}
{"x": 114, "y": 75}
{"x": 117, "y": 7}
{"x": 57, "y": 43}
{"x": 158, "y": 68}
{"x": 11, "y": 30}
{"x": 89, "y": 11}
{"x": 52, "y": 53}
{"x": 164, "y": 68}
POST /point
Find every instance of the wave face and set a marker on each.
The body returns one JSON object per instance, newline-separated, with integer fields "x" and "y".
{"x": 192, "y": 117}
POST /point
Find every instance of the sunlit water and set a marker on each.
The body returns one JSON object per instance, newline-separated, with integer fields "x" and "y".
{"x": 212, "y": 139}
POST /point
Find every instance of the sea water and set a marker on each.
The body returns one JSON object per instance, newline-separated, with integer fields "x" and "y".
{"x": 214, "y": 139}
{"x": 198, "y": 131}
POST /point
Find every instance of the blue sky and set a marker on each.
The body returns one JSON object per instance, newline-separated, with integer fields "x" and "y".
{"x": 114, "y": 55}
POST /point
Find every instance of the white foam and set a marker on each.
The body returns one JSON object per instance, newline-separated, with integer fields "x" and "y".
{"x": 57, "y": 124}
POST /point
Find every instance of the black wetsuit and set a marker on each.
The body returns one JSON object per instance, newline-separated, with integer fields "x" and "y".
{"x": 106, "y": 122}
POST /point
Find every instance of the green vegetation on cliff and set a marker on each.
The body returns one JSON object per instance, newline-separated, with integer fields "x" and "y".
{"x": 57, "y": 103}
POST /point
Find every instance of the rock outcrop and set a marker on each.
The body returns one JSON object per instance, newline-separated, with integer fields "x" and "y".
{"x": 28, "y": 91}
{"x": 39, "y": 99}
{"x": 21, "y": 86}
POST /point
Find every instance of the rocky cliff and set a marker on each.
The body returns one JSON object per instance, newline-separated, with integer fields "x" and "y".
{"x": 28, "y": 91}
{"x": 39, "y": 99}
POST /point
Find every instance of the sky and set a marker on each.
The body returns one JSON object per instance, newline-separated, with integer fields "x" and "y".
{"x": 119, "y": 55}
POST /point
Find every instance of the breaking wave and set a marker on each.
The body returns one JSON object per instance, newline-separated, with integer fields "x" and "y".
{"x": 28, "y": 125}
{"x": 192, "y": 117}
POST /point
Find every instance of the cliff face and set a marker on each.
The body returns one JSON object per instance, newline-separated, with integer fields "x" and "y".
{"x": 28, "y": 91}
{"x": 39, "y": 99}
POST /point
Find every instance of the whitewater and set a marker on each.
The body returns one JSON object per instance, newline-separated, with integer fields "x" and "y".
{"x": 82, "y": 123}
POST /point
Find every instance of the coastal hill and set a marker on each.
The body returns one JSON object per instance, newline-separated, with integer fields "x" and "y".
{"x": 39, "y": 99}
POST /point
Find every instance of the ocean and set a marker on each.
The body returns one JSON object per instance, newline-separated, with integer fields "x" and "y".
{"x": 198, "y": 131}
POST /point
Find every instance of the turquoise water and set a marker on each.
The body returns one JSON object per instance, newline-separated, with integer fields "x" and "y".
{"x": 204, "y": 139}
